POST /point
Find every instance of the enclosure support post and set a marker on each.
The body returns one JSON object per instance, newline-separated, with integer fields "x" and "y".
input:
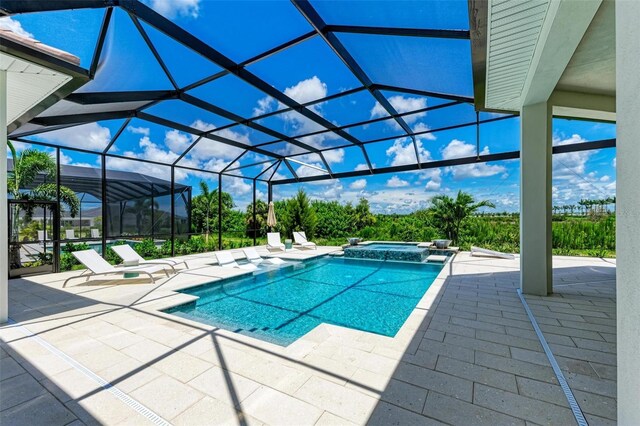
{"x": 173, "y": 211}
{"x": 153, "y": 217}
{"x": 627, "y": 209}
{"x": 535, "y": 199}
{"x": 220, "y": 211}
{"x": 255, "y": 231}
{"x": 189, "y": 210}
{"x": 56, "y": 218}
{"x": 80, "y": 219}
{"x": 4, "y": 207}
{"x": 105, "y": 215}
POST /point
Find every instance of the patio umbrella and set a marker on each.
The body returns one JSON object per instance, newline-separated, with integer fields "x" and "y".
{"x": 271, "y": 216}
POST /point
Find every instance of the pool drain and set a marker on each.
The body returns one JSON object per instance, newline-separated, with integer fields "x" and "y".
{"x": 573, "y": 404}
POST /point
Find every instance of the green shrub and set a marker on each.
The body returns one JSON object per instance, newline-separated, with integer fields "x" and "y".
{"x": 67, "y": 260}
{"x": 147, "y": 249}
{"x": 197, "y": 244}
{"x": 111, "y": 255}
{"x": 165, "y": 248}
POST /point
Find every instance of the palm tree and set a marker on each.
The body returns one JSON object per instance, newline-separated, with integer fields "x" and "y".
{"x": 210, "y": 200}
{"x": 300, "y": 215}
{"x": 449, "y": 214}
{"x": 141, "y": 209}
{"x": 582, "y": 203}
{"x": 26, "y": 168}
{"x": 260, "y": 226}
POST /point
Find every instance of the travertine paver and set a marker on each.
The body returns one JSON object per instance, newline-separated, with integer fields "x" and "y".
{"x": 467, "y": 355}
{"x": 167, "y": 396}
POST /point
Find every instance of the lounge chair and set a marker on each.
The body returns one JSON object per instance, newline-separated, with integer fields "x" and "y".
{"x": 95, "y": 233}
{"x": 301, "y": 239}
{"x": 70, "y": 234}
{"x": 252, "y": 256}
{"x": 491, "y": 253}
{"x": 98, "y": 266}
{"x": 43, "y": 236}
{"x": 129, "y": 255}
{"x": 226, "y": 260}
{"x": 273, "y": 241}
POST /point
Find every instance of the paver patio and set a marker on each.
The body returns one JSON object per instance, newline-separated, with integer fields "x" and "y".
{"x": 466, "y": 355}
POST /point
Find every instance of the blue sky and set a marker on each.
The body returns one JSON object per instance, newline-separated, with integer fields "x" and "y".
{"x": 306, "y": 72}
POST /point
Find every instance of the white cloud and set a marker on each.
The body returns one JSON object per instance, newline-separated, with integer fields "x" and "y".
{"x": 571, "y": 177}
{"x": 334, "y": 155}
{"x": 235, "y": 186}
{"x": 209, "y": 151}
{"x": 304, "y": 91}
{"x": 89, "y": 136}
{"x": 402, "y": 104}
{"x": 432, "y": 186}
{"x": 138, "y": 130}
{"x": 334, "y": 191}
{"x": 65, "y": 159}
{"x": 202, "y": 125}
{"x": 613, "y": 163}
{"x": 8, "y": 23}
{"x": 421, "y": 127}
{"x": 476, "y": 170}
{"x": 566, "y": 166}
{"x": 307, "y": 90}
{"x": 174, "y": 8}
{"x": 396, "y": 182}
{"x": 304, "y": 171}
{"x": 403, "y": 152}
{"x": 459, "y": 149}
{"x": 435, "y": 179}
{"x": 361, "y": 166}
{"x": 155, "y": 153}
{"x": 358, "y": 184}
{"x": 176, "y": 141}
{"x": 265, "y": 105}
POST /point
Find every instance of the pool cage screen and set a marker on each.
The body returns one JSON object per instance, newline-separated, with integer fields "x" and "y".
{"x": 435, "y": 67}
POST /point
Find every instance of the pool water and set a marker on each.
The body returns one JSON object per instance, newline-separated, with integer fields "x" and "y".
{"x": 282, "y": 305}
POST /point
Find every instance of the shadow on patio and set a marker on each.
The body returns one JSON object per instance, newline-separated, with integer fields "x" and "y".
{"x": 478, "y": 359}
{"x": 26, "y": 394}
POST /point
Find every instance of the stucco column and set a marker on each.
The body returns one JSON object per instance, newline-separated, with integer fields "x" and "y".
{"x": 628, "y": 209}
{"x": 535, "y": 199}
{"x": 4, "y": 221}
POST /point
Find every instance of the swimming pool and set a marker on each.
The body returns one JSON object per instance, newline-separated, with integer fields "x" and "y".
{"x": 282, "y": 305}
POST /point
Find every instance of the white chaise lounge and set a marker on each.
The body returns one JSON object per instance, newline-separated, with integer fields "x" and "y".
{"x": 301, "y": 239}
{"x": 129, "y": 255}
{"x": 253, "y": 257}
{"x": 274, "y": 242}
{"x": 95, "y": 233}
{"x": 96, "y": 265}
{"x": 70, "y": 234}
{"x": 226, "y": 260}
{"x": 490, "y": 253}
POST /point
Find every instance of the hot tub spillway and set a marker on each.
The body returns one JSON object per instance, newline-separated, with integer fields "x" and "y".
{"x": 398, "y": 252}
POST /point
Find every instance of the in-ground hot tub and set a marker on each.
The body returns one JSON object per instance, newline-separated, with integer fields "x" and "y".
{"x": 388, "y": 251}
